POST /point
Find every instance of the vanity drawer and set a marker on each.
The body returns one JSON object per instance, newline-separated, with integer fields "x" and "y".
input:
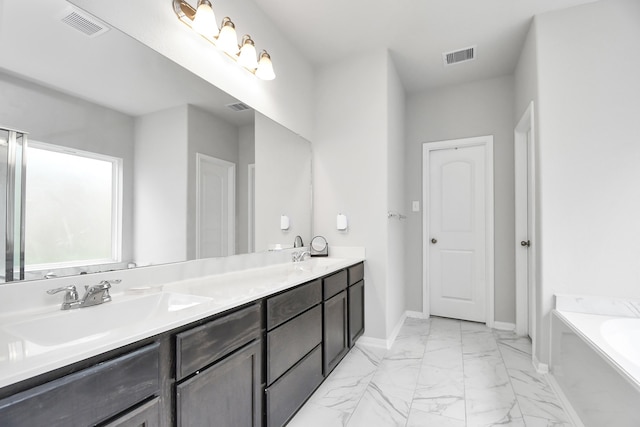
{"x": 291, "y": 303}
{"x": 356, "y": 273}
{"x": 335, "y": 283}
{"x": 286, "y": 395}
{"x": 203, "y": 345}
{"x": 290, "y": 342}
{"x": 89, "y": 396}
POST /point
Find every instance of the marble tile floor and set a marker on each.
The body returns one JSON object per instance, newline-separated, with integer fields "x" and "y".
{"x": 439, "y": 372}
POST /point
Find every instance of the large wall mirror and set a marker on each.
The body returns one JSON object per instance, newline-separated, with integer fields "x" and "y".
{"x": 130, "y": 159}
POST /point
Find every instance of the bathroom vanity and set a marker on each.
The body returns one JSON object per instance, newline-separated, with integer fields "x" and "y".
{"x": 250, "y": 353}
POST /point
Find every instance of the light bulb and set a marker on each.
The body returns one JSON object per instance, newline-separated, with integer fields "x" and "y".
{"x": 265, "y": 67}
{"x": 247, "y": 57}
{"x": 227, "y": 39}
{"x": 205, "y": 20}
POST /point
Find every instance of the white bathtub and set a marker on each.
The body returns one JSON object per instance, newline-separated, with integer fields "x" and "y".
{"x": 595, "y": 361}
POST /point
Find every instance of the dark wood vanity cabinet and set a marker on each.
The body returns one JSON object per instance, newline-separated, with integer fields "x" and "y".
{"x": 114, "y": 392}
{"x": 336, "y": 319}
{"x": 219, "y": 371}
{"x": 255, "y": 365}
{"x": 356, "y": 302}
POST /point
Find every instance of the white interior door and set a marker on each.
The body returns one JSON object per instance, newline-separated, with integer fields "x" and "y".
{"x": 529, "y": 236}
{"x": 215, "y": 207}
{"x": 458, "y": 236}
{"x": 525, "y": 225}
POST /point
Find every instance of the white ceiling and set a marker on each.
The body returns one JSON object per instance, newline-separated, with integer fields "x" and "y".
{"x": 416, "y": 32}
{"x": 112, "y": 69}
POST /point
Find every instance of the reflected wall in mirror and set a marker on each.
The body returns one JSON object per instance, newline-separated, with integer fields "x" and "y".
{"x": 181, "y": 176}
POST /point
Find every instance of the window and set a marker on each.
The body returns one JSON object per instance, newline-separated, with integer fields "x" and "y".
{"x": 72, "y": 208}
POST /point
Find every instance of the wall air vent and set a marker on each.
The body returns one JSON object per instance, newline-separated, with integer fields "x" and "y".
{"x": 458, "y": 56}
{"x": 238, "y": 106}
{"x": 83, "y": 22}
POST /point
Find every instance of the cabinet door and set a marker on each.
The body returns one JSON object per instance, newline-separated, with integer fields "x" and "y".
{"x": 335, "y": 331}
{"x": 228, "y": 393}
{"x": 356, "y": 311}
{"x": 286, "y": 396}
{"x": 147, "y": 415}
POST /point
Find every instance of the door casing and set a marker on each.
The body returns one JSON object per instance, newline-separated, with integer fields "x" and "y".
{"x": 427, "y": 148}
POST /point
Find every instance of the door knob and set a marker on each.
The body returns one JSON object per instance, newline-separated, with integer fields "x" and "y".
{"x": 434, "y": 241}
{"x": 525, "y": 243}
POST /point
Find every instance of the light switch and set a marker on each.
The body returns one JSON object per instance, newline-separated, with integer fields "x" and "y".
{"x": 415, "y": 206}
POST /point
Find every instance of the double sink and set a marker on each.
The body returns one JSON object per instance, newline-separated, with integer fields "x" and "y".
{"x": 131, "y": 311}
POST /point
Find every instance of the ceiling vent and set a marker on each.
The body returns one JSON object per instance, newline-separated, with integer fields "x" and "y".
{"x": 238, "y": 106}
{"x": 83, "y": 22}
{"x": 458, "y": 56}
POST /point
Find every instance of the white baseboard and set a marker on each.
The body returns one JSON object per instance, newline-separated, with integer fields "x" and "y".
{"x": 373, "y": 342}
{"x": 416, "y": 314}
{"x": 504, "y": 326}
{"x": 568, "y": 408}
{"x": 396, "y": 330}
{"x": 384, "y": 343}
{"x": 541, "y": 368}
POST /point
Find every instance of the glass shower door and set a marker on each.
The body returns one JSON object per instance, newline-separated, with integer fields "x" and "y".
{"x": 12, "y": 193}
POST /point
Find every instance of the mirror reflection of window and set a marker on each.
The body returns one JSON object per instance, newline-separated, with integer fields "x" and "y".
{"x": 72, "y": 208}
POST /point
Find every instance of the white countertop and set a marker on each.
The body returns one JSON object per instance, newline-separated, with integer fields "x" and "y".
{"x": 38, "y": 341}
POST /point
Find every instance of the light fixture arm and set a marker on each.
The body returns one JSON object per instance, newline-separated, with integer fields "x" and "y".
{"x": 187, "y": 13}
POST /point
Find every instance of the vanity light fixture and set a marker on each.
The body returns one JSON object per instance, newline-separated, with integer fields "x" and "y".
{"x": 203, "y": 21}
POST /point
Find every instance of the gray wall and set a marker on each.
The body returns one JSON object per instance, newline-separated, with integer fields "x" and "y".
{"x": 395, "y": 197}
{"x": 474, "y": 109}
{"x": 283, "y": 184}
{"x": 354, "y": 137}
{"x": 55, "y": 118}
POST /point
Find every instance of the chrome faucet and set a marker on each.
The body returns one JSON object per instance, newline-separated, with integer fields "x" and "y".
{"x": 299, "y": 256}
{"x": 94, "y": 295}
{"x": 70, "y": 297}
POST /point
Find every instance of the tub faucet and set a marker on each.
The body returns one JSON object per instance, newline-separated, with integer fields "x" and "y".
{"x": 299, "y": 256}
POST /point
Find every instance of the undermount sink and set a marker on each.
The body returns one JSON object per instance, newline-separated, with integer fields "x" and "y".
{"x": 87, "y": 324}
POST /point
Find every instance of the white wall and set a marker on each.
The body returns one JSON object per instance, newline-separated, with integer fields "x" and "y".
{"x": 56, "y": 118}
{"x": 395, "y": 197}
{"x": 350, "y": 169}
{"x": 588, "y": 68}
{"x": 287, "y": 99}
{"x": 160, "y": 215}
{"x": 473, "y": 109}
{"x": 283, "y": 184}
{"x": 212, "y": 136}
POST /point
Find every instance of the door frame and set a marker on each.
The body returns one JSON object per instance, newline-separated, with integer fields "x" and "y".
{"x": 427, "y": 148}
{"x": 525, "y": 206}
{"x": 231, "y": 200}
{"x": 251, "y": 207}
